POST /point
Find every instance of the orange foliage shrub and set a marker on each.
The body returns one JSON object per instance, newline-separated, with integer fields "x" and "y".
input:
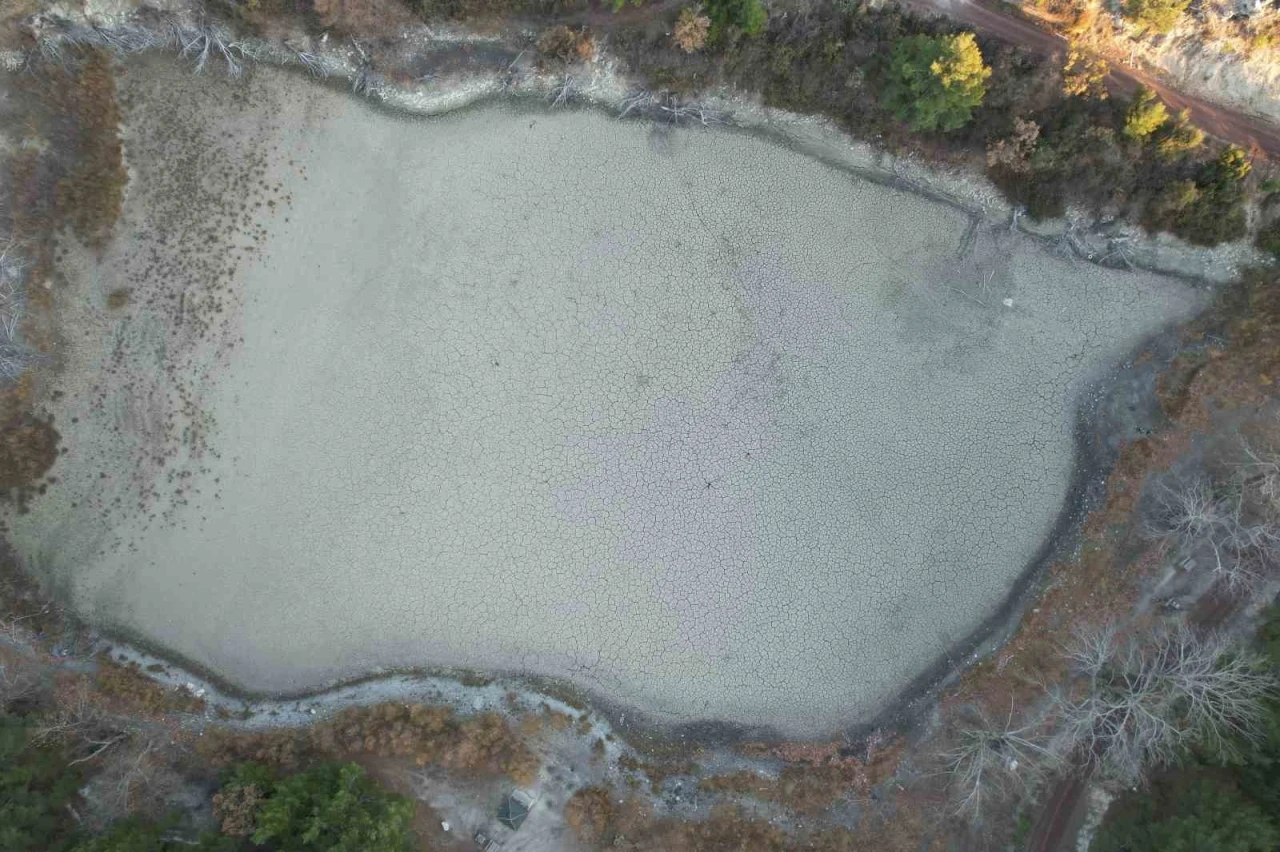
{"x": 691, "y": 30}
{"x": 236, "y": 810}
{"x": 429, "y": 734}
{"x": 567, "y": 45}
{"x": 590, "y": 812}
{"x": 127, "y": 684}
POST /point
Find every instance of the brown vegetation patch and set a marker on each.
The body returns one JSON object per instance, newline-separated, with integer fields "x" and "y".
{"x": 591, "y": 813}
{"x": 567, "y": 45}
{"x": 690, "y": 33}
{"x": 812, "y": 784}
{"x": 24, "y": 606}
{"x": 657, "y": 770}
{"x": 128, "y": 685}
{"x": 364, "y": 17}
{"x": 602, "y": 821}
{"x": 236, "y": 810}
{"x": 88, "y": 196}
{"x": 486, "y": 744}
{"x": 28, "y": 448}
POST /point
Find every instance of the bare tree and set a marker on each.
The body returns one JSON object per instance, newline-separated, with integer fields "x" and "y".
{"x": 1138, "y": 705}
{"x": 16, "y": 684}
{"x": 1263, "y": 476}
{"x": 992, "y": 761}
{"x": 82, "y": 725}
{"x": 1214, "y": 528}
{"x": 136, "y": 778}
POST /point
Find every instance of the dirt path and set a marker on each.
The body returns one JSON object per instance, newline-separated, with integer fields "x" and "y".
{"x": 1253, "y": 134}
{"x": 1059, "y": 818}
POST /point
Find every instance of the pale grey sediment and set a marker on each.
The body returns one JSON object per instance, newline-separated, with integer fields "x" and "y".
{"x": 700, "y": 423}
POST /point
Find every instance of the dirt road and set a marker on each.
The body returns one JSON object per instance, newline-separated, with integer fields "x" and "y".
{"x": 1060, "y": 817}
{"x": 1253, "y": 134}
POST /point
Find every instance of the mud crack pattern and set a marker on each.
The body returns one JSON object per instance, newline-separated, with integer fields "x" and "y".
{"x": 705, "y": 425}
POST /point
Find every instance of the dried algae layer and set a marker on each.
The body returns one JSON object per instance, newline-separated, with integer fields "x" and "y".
{"x": 707, "y": 426}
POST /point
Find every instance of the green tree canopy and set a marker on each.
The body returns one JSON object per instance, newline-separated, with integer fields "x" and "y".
{"x": 1224, "y": 802}
{"x": 935, "y": 83}
{"x": 1178, "y": 137}
{"x": 136, "y": 835}
{"x": 332, "y": 808}
{"x": 1207, "y": 814}
{"x": 1158, "y": 16}
{"x": 1231, "y": 167}
{"x": 1146, "y": 115}
{"x": 36, "y": 785}
{"x": 749, "y": 16}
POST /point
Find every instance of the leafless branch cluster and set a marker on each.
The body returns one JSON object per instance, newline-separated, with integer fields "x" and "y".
{"x": 204, "y": 42}
{"x": 1216, "y": 529}
{"x": 14, "y": 356}
{"x": 135, "y": 778}
{"x": 564, "y": 90}
{"x": 669, "y": 106}
{"x": 200, "y": 42}
{"x": 1071, "y": 243}
{"x": 16, "y": 685}
{"x": 681, "y": 112}
{"x": 82, "y": 726}
{"x": 316, "y": 64}
{"x": 57, "y": 44}
{"x": 1119, "y": 249}
{"x": 992, "y": 761}
{"x": 1138, "y": 705}
{"x": 132, "y": 775}
{"x": 1262, "y": 474}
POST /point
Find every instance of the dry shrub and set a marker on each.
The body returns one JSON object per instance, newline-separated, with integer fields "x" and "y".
{"x": 727, "y": 829}
{"x": 363, "y": 17}
{"x": 567, "y": 45}
{"x": 659, "y": 769}
{"x": 386, "y": 730}
{"x": 236, "y": 809}
{"x": 1084, "y": 75}
{"x": 631, "y": 825}
{"x": 19, "y": 686}
{"x": 531, "y": 724}
{"x": 279, "y": 748}
{"x": 905, "y": 823}
{"x": 134, "y": 779}
{"x": 25, "y": 609}
{"x": 591, "y": 813}
{"x": 484, "y": 744}
{"x": 1014, "y": 153}
{"x": 132, "y": 687}
{"x": 28, "y": 448}
{"x": 811, "y": 786}
{"x": 691, "y": 30}
{"x": 89, "y": 195}
{"x": 744, "y": 782}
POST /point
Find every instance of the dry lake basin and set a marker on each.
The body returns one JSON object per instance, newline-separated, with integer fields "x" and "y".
{"x": 707, "y": 426}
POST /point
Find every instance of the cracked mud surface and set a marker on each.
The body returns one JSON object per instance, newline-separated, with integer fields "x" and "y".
{"x": 701, "y": 424}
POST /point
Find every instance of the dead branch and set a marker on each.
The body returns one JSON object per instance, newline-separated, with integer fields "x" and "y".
{"x": 1140, "y": 705}
{"x": 1210, "y": 529}
{"x": 993, "y": 761}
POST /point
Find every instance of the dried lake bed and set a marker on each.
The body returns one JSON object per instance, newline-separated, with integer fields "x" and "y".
{"x": 711, "y": 428}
